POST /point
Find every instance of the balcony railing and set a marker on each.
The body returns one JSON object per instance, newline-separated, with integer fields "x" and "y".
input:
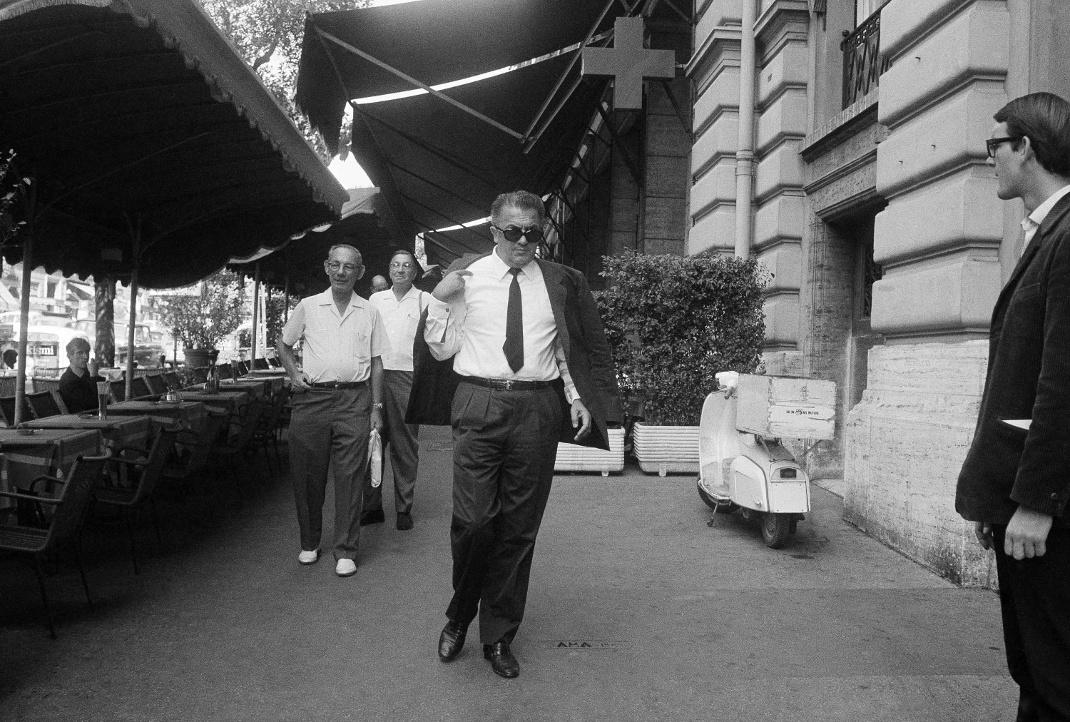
{"x": 862, "y": 60}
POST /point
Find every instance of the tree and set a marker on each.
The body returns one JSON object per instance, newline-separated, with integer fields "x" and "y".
{"x": 268, "y": 35}
{"x": 203, "y": 320}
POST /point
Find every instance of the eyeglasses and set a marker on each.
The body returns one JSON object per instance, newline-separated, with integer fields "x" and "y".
{"x": 335, "y": 266}
{"x": 406, "y": 265}
{"x": 512, "y": 234}
{"x": 992, "y": 143}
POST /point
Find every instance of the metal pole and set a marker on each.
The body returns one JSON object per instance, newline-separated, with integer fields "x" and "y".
{"x": 129, "y": 393}
{"x": 256, "y": 316}
{"x": 24, "y": 321}
{"x": 745, "y": 151}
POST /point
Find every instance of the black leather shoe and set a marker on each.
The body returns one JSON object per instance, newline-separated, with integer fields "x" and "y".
{"x": 451, "y": 641}
{"x": 404, "y": 521}
{"x": 501, "y": 659}
{"x": 372, "y": 517}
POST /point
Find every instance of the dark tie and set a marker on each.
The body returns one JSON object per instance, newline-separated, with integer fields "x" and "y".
{"x": 514, "y": 326}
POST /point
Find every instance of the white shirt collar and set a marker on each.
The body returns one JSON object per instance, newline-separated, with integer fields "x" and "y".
{"x": 500, "y": 268}
{"x": 1034, "y": 219}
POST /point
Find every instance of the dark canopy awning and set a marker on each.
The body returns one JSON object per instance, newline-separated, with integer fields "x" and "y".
{"x": 137, "y": 118}
{"x": 297, "y": 265}
{"x": 439, "y": 164}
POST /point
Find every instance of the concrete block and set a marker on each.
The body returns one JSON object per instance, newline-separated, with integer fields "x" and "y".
{"x": 722, "y": 95}
{"x": 948, "y": 134}
{"x": 666, "y": 135}
{"x": 788, "y": 67}
{"x": 905, "y": 442}
{"x": 665, "y": 217}
{"x": 785, "y": 263}
{"x": 717, "y": 185}
{"x": 714, "y": 230}
{"x": 718, "y": 140}
{"x": 782, "y": 217}
{"x": 714, "y": 14}
{"x": 950, "y": 212}
{"x": 904, "y": 23}
{"x": 781, "y": 320}
{"x": 784, "y": 118}
{"x": 779, "y": 169}
{"x": 956, "y": 295}
{"x": 972, "y": 43}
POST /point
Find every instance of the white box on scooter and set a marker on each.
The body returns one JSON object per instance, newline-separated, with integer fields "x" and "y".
{"x": 786, "y": 407}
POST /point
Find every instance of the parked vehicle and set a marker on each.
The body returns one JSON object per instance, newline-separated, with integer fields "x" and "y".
{"x": 147, "y": 349}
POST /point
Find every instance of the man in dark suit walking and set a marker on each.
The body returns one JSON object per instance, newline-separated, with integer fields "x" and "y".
{"x": 1015, "y": 482}
{"x": 534, "y": 368}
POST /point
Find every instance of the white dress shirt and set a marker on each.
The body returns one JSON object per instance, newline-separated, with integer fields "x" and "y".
{"x": 337, "y": 346}
{"x": 1032, "y": 222}
{"x": 472, "y": 330}
{"x": 401, "y": 319}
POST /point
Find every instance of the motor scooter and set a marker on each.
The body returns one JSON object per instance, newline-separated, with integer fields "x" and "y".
{"x": 746, "y": 471}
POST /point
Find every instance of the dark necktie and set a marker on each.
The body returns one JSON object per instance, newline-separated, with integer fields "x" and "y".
{"x": 514, "y": 326}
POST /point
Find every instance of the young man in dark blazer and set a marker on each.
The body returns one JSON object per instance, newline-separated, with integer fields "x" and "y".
{"x": 531, "y": 366}
{"x": 1015, "y": 482}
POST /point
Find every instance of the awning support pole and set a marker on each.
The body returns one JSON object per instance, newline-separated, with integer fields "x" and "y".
{"x": 135, "y": 237}
{"x": 24, "y": 299}
{"x": 256, "y": 316}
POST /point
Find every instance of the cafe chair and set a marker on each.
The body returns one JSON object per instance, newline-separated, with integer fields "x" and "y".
{"x": 224, "y": 371}
{"x": 239, "y": 443}
{"x": 7, "y": 410}
{"x": 45, "y": 403}
{"x": 137, "y": 478}
{"x": 171, "y": 379}
{"x": 196, "y": 447}
{"x": 156, "y": 383}
{"x": 260, "y": 363}
{"x": 267, "y": 430}
{"x": 45, "y": 383}
{"x": 118, "y": 390}
{"x": 139, "y": 387}
{"x": 64, "y": 525}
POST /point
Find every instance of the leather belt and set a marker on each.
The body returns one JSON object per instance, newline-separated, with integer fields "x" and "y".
{"x": 507, "y": 384}
{"x": 339, "y": 385}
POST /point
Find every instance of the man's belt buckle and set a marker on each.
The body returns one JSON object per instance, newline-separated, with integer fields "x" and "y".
{"x": 507, "y": 384}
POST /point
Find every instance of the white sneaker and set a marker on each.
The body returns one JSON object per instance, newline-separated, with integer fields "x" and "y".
{"x": 306, "y": 557}
{"x": 345, "y": 568}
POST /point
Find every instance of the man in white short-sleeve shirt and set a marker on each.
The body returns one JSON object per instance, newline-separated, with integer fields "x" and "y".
{"x": 337, "y": 400}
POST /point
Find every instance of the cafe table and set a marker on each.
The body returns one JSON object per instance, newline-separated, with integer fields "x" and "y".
{"x": 192, "y": 413}
{"x": 232, "y": 401}
{"x": 267, "y": 373}
{"x": 28, "y": 453}
{"x": 118, "y": 431}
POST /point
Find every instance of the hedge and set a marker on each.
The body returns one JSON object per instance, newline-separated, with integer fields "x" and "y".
{"x": 674, "y": 322}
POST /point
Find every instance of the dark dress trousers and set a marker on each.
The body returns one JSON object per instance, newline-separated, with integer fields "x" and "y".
{"x": 1028, "y": 377}
{"x": 505, "y": 444}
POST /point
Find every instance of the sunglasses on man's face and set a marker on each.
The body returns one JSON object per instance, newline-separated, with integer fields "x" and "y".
{"x": 514, "y": 234}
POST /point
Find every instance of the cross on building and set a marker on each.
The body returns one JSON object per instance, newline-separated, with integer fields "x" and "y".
{"x": 628, "y": 62}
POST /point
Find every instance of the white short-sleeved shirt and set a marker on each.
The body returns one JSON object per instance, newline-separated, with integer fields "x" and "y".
{"x": 401, "y": 319}
{"x": 337, "y": 347}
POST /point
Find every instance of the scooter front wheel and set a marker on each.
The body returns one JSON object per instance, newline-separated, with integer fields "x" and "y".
{"x": 776, "y": 528}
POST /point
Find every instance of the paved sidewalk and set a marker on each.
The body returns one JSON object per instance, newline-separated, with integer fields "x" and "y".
{"x": 638, "y": 610}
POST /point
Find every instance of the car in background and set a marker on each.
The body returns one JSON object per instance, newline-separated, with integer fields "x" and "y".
{"x": 147, "y": 349}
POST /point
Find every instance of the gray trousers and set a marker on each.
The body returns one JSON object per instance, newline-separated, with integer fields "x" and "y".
{"x": 402, "y": 440}
{"x": 330, "y": 427}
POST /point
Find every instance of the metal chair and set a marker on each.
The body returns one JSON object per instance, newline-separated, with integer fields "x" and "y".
{"x": 156, "y": 383}
{"x": 45, "y": 403}
{"x": 139, "y": 387}
{"x": 171, "y": 379}
{"x": 7, "y": 410}
{"x": 142, "y": 475}
{"x": 260, "y": 363}
{"x": 240, "y": 442}
{"x": 69, "y": 513}
{"x": 118, "y": 390}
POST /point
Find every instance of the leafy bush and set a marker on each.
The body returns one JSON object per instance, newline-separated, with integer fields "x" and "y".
{"x": 203, "y": 320}
{"x": 674, "y": 322}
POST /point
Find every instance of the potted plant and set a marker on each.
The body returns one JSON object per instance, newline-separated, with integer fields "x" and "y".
{"x": 200, "y": 320}
{"x": 674, "y": 322}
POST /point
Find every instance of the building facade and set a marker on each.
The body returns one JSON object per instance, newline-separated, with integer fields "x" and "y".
{"x": 842, "y": 143}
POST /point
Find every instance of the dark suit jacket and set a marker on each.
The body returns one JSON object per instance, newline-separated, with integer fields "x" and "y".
{"x": 589, "y": 358}
{"x": 1028, "y": 378}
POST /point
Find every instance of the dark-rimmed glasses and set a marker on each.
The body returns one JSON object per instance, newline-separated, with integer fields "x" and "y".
{"x": 992, "y": 143}
{"x": 533, "y": 234}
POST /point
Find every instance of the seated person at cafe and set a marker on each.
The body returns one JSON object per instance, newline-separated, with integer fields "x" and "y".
{"x": 78, "y": 384}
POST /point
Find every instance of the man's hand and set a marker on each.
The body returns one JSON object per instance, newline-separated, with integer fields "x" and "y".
{"x": 299, "y": 384}
{"x": 450, "y": 285}
{"x": 377, "y": 419}
{"x": 983, "y": 531}
{"x": 1027, "y": 533}
{"x": 581, "y": 418}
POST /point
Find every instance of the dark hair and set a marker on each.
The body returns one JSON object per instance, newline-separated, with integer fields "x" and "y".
{"x": 77, "y": 343}
{"x": 521, "y": 200}
{"x": 1045, "y": 119}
